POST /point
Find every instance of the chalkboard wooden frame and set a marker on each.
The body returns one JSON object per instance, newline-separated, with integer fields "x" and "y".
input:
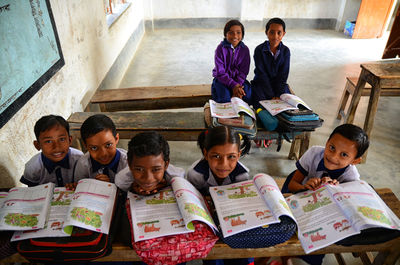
{"x": 19, "y": 102}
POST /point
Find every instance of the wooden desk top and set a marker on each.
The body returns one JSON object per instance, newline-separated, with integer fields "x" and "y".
{"x": 384, "y": 70}
{"x": 291, "y": 247}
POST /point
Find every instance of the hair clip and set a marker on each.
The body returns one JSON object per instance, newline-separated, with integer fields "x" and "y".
{"x": 240, "y": 136}
{"x": 206, "y": 132}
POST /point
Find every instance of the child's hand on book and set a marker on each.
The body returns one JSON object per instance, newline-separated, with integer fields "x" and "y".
{"x": 328, "y": 180}
{"x": 102, "y": 177}
{"x": 312, "y": 183}
{"x": 238, "y": 91}
{"x": 71, "y": 186}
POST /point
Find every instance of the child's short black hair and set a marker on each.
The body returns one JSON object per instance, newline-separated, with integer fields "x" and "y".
{"x": 355, "y": 134}
{"x": 217, "y": 136}
{"x": 231, "y": 23}
{"x": 95, "y": 124}
{"x": 48, "y": 122}
{"x": 148, "y": 144}
{"x": 275, "y": 20}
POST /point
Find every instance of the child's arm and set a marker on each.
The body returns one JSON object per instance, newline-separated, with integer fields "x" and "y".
{"x": 298, "y": 177}
{"x": 283, "y": 74}
{"x": 102, "y": 177}
{"x": 243, "y": 65}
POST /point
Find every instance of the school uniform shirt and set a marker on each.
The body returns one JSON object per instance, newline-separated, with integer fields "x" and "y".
{"x": 124, "y": 179}
{"x": 201, "y": 176}
{"x": 311, "y": 165}
{"x": 271, "y": 72}
{"x": 39, "y": 169}
{"x": 231, "y": 64}
{"x": 87, "y": 167}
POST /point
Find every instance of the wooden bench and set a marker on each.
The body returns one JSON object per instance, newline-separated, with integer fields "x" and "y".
{"x": 349, "y": 91}
{"x": 388, "y": 252}
{"x": 174, "y": 126}
{"x": 156, "y": 97}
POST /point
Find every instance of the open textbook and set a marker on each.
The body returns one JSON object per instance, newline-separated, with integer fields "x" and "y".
{"x": 169, "y": 212}
{"x": 286, "y": 102}
{"x": 249, "y": 204}
{"x": 331, "y": 213}
{"x": 230, "y": 109}
{"x": 90, "y": 206}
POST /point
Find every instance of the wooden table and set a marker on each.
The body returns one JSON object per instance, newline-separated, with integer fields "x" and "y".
{"x": 389, "y": 252}
{"x": 174, "y": 126}
{"x": 380, "y": 75}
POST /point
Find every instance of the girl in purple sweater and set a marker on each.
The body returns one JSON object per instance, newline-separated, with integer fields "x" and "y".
{"x": 232, "y": 63}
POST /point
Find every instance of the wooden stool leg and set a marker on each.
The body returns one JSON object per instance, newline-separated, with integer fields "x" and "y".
{"x": 356, "y": 97}
{"x": 343, "y": 101}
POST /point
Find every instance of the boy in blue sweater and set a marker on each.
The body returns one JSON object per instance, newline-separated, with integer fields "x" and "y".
{"x": 272, "y": 61}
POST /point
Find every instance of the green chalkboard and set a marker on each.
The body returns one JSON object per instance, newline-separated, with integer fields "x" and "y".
{"x": 30, "y": 52}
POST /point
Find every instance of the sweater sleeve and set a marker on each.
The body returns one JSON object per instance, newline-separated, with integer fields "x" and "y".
{"x": 221, "y": 69}
{"x": 283, "y": 73}
{"x": 243, "y": 64}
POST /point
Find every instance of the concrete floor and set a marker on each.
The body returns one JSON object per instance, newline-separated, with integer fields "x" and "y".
{"x": 320, "y": 62}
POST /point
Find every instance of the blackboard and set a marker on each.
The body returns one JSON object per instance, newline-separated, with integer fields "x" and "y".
{"x": 30, "y": 52}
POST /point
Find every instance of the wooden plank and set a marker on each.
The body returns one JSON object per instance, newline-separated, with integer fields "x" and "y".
{"x": 388, "y": 251}
{"x": 158, "y": 97}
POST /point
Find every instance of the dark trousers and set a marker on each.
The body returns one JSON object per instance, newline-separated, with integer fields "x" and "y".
{"x": 221, "y": 93}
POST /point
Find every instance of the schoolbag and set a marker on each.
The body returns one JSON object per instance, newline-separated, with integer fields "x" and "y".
{"x": 174, "y": 249}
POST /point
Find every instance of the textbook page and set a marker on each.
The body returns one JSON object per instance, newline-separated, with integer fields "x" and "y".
{"x": 230, "y": 109}
{"x": 241, "y": 106}
{"x": 58, "y": 213}
{"x": 294, "y": 101}
{"x": 240, "y": 207}
{"x": 191, "y": 203}
{"x": 320, "y": 220}
{"x": 92, "y": 205}
{"x": 222, "y": 110}
{"x": 156, "y": 215}
{"x": 272, "y": 195}
{"x": 26, "y": 208}
{"x": 363, "y": 206}
{"x": 286, "y": 102}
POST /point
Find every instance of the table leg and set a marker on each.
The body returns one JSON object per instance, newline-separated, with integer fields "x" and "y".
{"x": 356, "y": 96}
{"x": 372, "y": 107}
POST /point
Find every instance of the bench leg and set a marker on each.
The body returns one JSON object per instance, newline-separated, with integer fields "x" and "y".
{"x": 295, "y": 147}
{"x": 304, "y": 144}
{"x": 343, "y": 101}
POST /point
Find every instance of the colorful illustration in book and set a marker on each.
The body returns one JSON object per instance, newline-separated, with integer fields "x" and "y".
{"x": 149, "y": 226}
{"x": 177, "y": 223}
{"x": 294, "y": 204}
{"x": 87, "y": 216}
{"x": 195, "y": 209}
{"x": 61, "y": 198}
{"x": 165, "y": 196}
{"x": 342, "y": 197}
{"x": 263, "y": 214}
{"x": 315, "y": 201}
{"x": 284, "y": 204}
{"x": 314, "y": 235}
{"x": 21, "y": 220}
{"x": 242, "y": 192}
{"x": 341, "y": 226}
{"x": 374, "y": 214}
{"x": 220, "y": 193}
{"x": 235, "y": 219}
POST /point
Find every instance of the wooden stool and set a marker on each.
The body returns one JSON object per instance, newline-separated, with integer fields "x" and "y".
{"x": 349, "y": 90}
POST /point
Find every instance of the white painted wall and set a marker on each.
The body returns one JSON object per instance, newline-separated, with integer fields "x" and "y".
{"x": 302, "y": 8}
{"x": 89, "y": 48}
{"x": 172, "y": 9}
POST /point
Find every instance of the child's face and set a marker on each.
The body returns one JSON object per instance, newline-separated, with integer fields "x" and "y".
{"x": 222, "y": 159}
{"x": 102, "y": 146}
{"x": 234, "y": 35}
{"x": 54, "y": 143}
{"x": 275, "y": 34}
{"x": 148, "y": 171}
{"x": 340, "y": 152}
